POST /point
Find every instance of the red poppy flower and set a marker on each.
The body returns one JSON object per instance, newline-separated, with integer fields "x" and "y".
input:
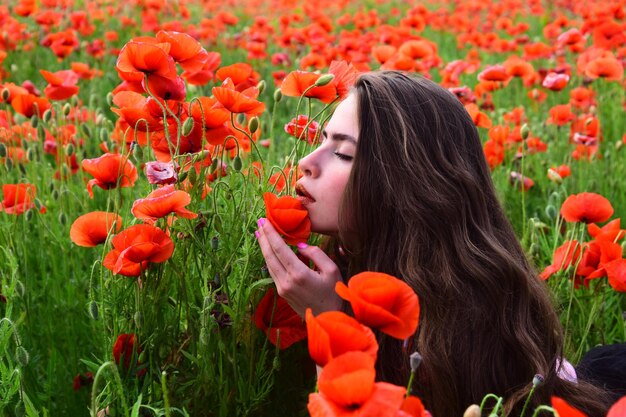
{"x": 522, "y": 182}
{"x": 333, "y": 333}
{"x": 413, "y": 407}
{"x": 108, "y": 171}
{"x": 161, "y": 173}
{"x": 19, "y": 198}
{"x": 275, "y": 317}
{"x": 494, "y": 73}
{"x": 288, "y": 217}
{"x": 611, "y": 231}
{"x": 297, "y": 82}
{"x": 61, "y": 84}
{"x": 479, "y": 118}
{"x": 82, "y": 381}
{"x": 618, "y": 409}
{"x": 137, "y": 246}
{"x": 555, "y": 81}
{"x": 139, "y": 59}
{"x": 125, "y": 348}
{"x": 347, "y": 387}
{"x": 560, "y": 115}
{"x": 345, "y": 75}
{"x": 93, "y": 228}
{"x": 616, "y": 273}
{"x": 563, "y": 409}
{"x": 296, "y": 128}
{"x": 210, "y": 125}
{"x": 587, "y": 208}
{"x": 383, "y": 302}
{"x": 184, "y": 49}
{"x": 239, "y": 102}
{"x": 162, "y": 202}
{"x": 29, "y": 104}
{"x": 564, "y": 256}
{"x": 608, "y": 68}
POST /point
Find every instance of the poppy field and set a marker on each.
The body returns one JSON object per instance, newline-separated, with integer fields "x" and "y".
{"x": 141, "y": 141}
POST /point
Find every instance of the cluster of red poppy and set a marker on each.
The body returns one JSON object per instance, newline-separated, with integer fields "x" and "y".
{"x": 599, "y": 257}
{"x": 346, "y": 348}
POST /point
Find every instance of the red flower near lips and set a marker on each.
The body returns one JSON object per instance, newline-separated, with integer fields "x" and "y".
{"x": 137, "y": 246}
{"x": 383, "y": 302}
{"x": 586, "y": 208}
{"x": 93, "y": 228}
{"x": 288, "y": 217}
{"x": 333, "y": 333}
{"x": 18, "y": 198}
{"x": 109, "y": 170}
{"x": 162, "y": 202}
{"x": 278, "y": 320}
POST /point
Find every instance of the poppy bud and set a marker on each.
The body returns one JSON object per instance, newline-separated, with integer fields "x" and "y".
{"x": 214, "y": 164}
{"x": 93, "y": 310}
{"x": 22, "y": 356}
{"x": 324, "y": 80}
{"x": 237, "y": 163}
{"x": 34, "y": 121}
{"x": 137, "y": 152}
{"x": 215, "y": 242}
{"x": 265, "y": 272}
{"x": 415, "y": 360}
{"x": 554, "y": 176}
{"x": 3, "y": 150}
{"x": 19, "y": 409}
{"x": 55, "y": 194}
{"x": 8, "y": 163}
{"x": 253, "y": 124}
{"x": 69, "y": 149}
{"x": 534, "y": 249}
{"x": 538, "y": 380}
{"x": 142, "y": 357}
{"x": 47, "y": 115}
{"x": 62, "y": 218}
{"x": 187, "y": 126}
{"x": 110, "y": 99}
{"x": 192, "y": 175}
{"x": 624, "y": 246}
{"x": 183, "y": 176}
{"x": 551, "y": 212}
{"x": 29, "y": 214}
{"x": 261, "y": 86}
{"x": 138, "y": 318}
{"x": 86, "y": 130}
{"x": 618, "y": 145}
{"x": 66, "y": 109}
{"x": 278, "y": 95}
{"x": 217, "y": 279}
{"x": 472, "y": 411}
{"x": 524, "y": 131}
{"x": 217, "y": 223}
{"x": 20, "y": 290}
{"x": 6, "y": 94}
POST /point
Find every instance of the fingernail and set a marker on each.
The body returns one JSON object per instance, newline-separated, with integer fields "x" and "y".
{"x": 302, "y": 245}
{"x": 261, "y": 222}
{"x": 256, "y": 234}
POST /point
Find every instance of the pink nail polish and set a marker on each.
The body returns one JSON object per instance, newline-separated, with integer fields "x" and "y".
{"x": 256, "y": 234}
{"x": 261, "y": 222}
{"x": 302, "y": 245}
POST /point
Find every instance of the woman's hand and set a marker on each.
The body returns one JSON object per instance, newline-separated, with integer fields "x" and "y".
{"x": 301, "y": 286}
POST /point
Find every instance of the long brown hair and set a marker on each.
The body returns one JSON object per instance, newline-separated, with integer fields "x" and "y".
{"x": 420, "y": 205}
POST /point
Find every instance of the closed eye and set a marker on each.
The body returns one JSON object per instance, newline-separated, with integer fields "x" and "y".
{"x": 343, "y": 157}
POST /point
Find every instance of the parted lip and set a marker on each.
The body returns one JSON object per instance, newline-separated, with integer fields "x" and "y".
{"x": 302, "y": 192}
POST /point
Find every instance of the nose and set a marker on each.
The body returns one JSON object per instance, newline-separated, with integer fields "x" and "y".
{"x": 310, "y": 164}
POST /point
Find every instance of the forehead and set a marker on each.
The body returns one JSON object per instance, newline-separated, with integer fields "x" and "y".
{"x": 344, "y": 119}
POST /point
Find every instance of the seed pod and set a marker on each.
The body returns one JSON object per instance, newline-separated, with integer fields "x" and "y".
{"x": 22, "y": 356}
{"x": 261, "y": 86}
{"x": 415, "y": 361}
{"x": 524, "y": 131}
{"x": 215, "y": 242}
{"x": 237, "y": 163}
{"x": 324, "y": 80}
{"x": 187, "y": 126}
{"x": 278, "y": 95}
{"x": 538, "y": 380}
{"x": 93, "y": 310}
{"x": 253, "y": 124}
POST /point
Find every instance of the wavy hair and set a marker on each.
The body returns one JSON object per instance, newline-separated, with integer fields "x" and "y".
{"x": 420, "y": 205}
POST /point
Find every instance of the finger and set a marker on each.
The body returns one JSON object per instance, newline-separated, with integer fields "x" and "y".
{"x": 320, "y": 259}
{"x": 274, "y": 266}
{"x": 283, "y": 252}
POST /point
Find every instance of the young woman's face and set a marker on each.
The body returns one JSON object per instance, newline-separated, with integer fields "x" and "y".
{"x": 326, "y": 170}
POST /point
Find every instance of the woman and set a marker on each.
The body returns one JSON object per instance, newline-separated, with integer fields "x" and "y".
{"x": 401, "y": 186}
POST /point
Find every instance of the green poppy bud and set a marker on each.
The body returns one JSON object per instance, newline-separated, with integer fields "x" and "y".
{"x": 524, "y": 131}
{"x": 69, "y": 149}
{"x": 3, "y": 150}
{"x": 19, "y": 410}
{"x": 276, "y": 361}
{"x": 253, "y": 124}
{"x": 192, "y": 175}
{"x": 237, "y": 163}
{"x": 47, "y": 116}
{"x": 551, "y": 212}
{"x": 8, "y": 163}
{"x": 138, "y": 318}
{"x": 29, "y": 214}
{"x": 217, "y": 279}
{"x": 142, "y": 356}
{"x": 217, "y": 223}
{"x": 187, "y": 126}
{"x": 534, "y": 249}
{"x": 278, "y": 95}
{"x": 62, "y": 218}
{"x": 137, "y": 152}
{"x": 22, "y": 356}
{"x": 41, "y": 133}
{"x": 20, "y": 289}
{"x": 324, "y": 80}
{"x": 66, "y": 109}
{"x": 6, "y": 94}
{"x": 214, "y": 164}
{"x": 215, "y": 242}
{"x": 554, "y": 176}
{"x": 110, "y": 99}
{"x": 86, "y": 130}
{"x": 34, "y": 121}
{"x": 261, "y": 86}
{"x": 182, "y": 176}
{"x": 55, "y": 194}
{"x": 93, "y": 310}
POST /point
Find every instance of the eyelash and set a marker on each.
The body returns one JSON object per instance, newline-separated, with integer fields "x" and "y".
{"x": 343, "y": 157}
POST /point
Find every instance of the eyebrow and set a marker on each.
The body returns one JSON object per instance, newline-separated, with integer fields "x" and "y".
{"x": 340, "y": 137}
